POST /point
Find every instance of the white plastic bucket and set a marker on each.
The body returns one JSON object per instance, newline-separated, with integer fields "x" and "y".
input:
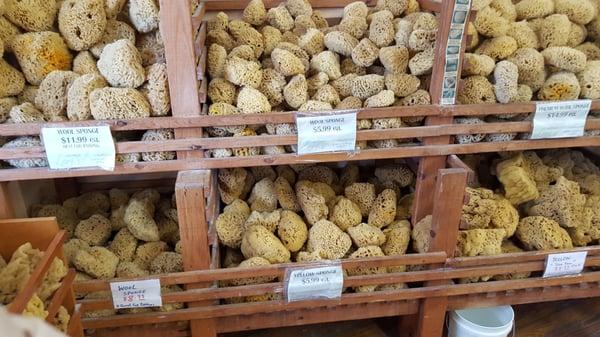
{"x": 481, "y": 322}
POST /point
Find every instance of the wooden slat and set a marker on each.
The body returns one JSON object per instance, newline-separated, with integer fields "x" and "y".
{"x": 75, "y": 328}
{"x": 198, "y": 16}
{"x": 60, "y": 296}
{"x": 496, "y": 109}
{"x": 224, "y": 5}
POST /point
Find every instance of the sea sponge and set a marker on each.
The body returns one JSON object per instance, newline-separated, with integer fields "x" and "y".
{"x": 354, "y": 25}
{"x": 563, "y": 203}
{"x": 327, "y": 240}
{"x": 221, "y": 91}
{"x": 222, "y": 38}
{"x": 158, "y": 135}
{"x": 381, "y": 29}
{"x": 505, "y": 216}
{"x": 85, "y": 63}
{"x": 400, "y": 174}
{"x": 255, "y": 13}
{"x": 366, "y": 86}
{"x": 403, "y": 29}
{"x": 579, "y": 12}
{"x": 82, "y": 23}
{"x": 25, "y": 142}
{"x": 394, "y": 59}
{"x": 356, "y": 8}
{"x": 31, "y": 15}
{"x": 280, "y": 18}
{"x": 285, "y": 195}
{"x": 348, "y": 67}
{"x": 396, "y": 7}
{"x": 577, "y": 35}
{"x": 52, "y": 93}
{"x": 256, "y": 261}
{"x": 383, "y": 210}
{"x": 366, "y": 235}
{"x": 292, "y": 231}
{"x": 302, "y": 24}
{"x": 530, "y": 64}
{"x": 156, "y": 90}
{"x": 231, "y": 183}
{"x": 95, "y": 230}
{"x": 269, "y": 220}
{"x": 589, "y": 80}
{"x": 121, "y": 65}
{"x": 560, "y": 86}
{"x": 523, "y": 34}
{"x": 340, "y": 42}
{"x": 128, "y": 269}
{"x": 251, "y": 101}
{"x": 144, "y": 15}
{"x": 402, "y": 84}
{"x": 365, "y": 53}
{"x": 242, "y": 72}
{"x": 6, "y": 104}
{"x": 124, "y": 245}
{"x": 12, "y": 81}
{"x": 319, "y": 19}
{"x": 519, "y": 185}
{"x": 506, "y": 77}
{"x": 259, "y": 241}
{"x": 422, "y": 39}
{"x": 476, "y": 90}
{"x": 167, "y": 262}
{"x": 263, "y": 197}
{"x": 481, "y": 65}
{"x": 397, "y": 238}
{"x": 272, "y": 37}
{"x": 318, "y": 173}
{"x": 477, "y": 242}
{"x": 78, "y": 96}
{"x": 498, "y": 48}
{"x": 345, "y": 213}
{"x": 140, "y": 222}
{"x": 328, "y": 63}
{"x": 98, "y": 262}
{"x": 244, "y": 34}
{"x": 489, "y": 22}
{"x": 591, "y": 51}
{"x": 363, "y": 252}
{"x": 469, "y": 138}
{"x": 422, "y": 62}
{"x": 363, "y": 195}
{"x": 151, "y": 47}
{"x": 349, "y": 103}
{"x": 565, "y": 58}
{"x": 313, "y": 41}
{"x": 67, "y": 218}
{"x": 328, "y": 94}
{"x": 147, "y": 252}
{"x": 118, "y": 103}
{"x": 219, "y": 21}
{"x": 343, "y": 85}
{"x": 295, "y": 92}
{"x": 40, "y": 53}
{"x": 26, "y": 113}
{"x": 272, "y": 86}
{"x": 540, "y": 233}
{"x": 382, "y": 99}
{"x": 531, "y": 9}
{"x": 313, "y": 204}
{"x": 317, "y": 81}
{"x": 554, "y": 31}
{"x": 230, "y": 224}
{"x": 216, "y": 59}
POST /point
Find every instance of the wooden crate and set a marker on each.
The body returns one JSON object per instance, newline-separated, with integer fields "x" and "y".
{"x": 43, "y": 234}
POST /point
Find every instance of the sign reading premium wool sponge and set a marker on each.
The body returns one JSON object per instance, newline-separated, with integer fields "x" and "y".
{"x": 564, "y": 264}
{"x": 79, "y": 147}
{"x": 560, "y": 119}
{"x": 136, "y": 294}
{"x": 455, "y": 39}
{"x": 326, "y": 132}
{"x": 323, "y": 282}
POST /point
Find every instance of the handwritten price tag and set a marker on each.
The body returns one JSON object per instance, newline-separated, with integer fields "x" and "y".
{"x": 136, "y": 294}
{"x": 565, "y": 264}
{"x": 79, "y": 147}
{"x": 314, "y": 283}
{"x": 326, "y": 133}
{"x": 560, "y": 119}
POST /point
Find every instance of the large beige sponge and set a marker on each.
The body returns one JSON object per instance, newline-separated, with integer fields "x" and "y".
{"x": 31, "y": 15}
{"x": 506, "y": 77}
{"x": 151, "y": 47}
{"x": 364, "y": 252}
{"x": 328, "y": 240}
{"x": 52, "y": 95}
{"x": 589, "y": 80}
{"x": 95, "y": 230}
{"x": 292, "y": 231}
{"x": 476, "y": 64}
{"x": 85, "y": 63}
{"x": 366, "y": 86}
{"x": 78, "y": 96}
{"x": 579, "y": 11}
{"x": 365, "y": 53}
{"x": 118, "y": 103}
{"x": 345, "y": 213}
{"x": 327, "y": 62}
{"x": 121, "y": 65}
{"x": 82, "y": 23}
{"x": 40, "y": 53}
{"x": 287, "y": 63}
{"x": 259, "y": 241}
{"x": 140, "y": 221}
{"x": 263, "y": 197}
{"x": 560, "y": 86}
{"x": 230, "y": 223}
{"x": 366, "y": 235}
{"x": 255, "y": 13}
{"x": 231, "y": 184}
{"x": 156, "y": 90}
{"x": 531, "y": 9}
{"x": 242, "y": 72}
{"x": 394, "y": 59}
{"x": 124, "y": 245}
{"x": 340, "y": 42}
{"x": 490, "y": 23}
{"x": 565, "y": 58}
{"x": 144, "y": 15}
{"x": 363, "y": 195}
{"x": 145, "y": 253}
{"x": 554, "y": 31}
{"x": 115, "y": 30}
{"x": 252, "y": 101}
{"x": 540, "y": 233}
{"x": 313, "y": 204}
{"x": 12, "y": 81}
{"x": 97, "y": 262}
{"x": 381, "y": 29}
{"x": 280, "y": 18}
{"x": 397, "y": 238}
{"x": 383, "y": 210}
{"x": 476, "y": 90}
{"x": 477, "y": 242}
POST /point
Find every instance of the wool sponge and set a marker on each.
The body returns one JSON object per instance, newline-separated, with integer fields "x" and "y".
{"x": 95, "y": 231}
{"x": 121, "y": 65}
{"x": 31, "y": 15}
{"x": 98, "y": 262}
{"x": 118, "y": 103}
{"x": 40, "y": 53}
{"x": 82, "y": 23}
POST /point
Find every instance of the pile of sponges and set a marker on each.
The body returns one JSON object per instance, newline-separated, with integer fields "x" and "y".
{"x": 289, "y": 58}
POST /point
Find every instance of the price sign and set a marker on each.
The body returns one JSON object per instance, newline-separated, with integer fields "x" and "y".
{"x": 564, "y": 264}
{"x": 326, "y": 133}
{"x": 314, "y": 283}
{"x": 560, "y": 119}
{"x": 78, "y": 147}
{"x": 136, "y": 294}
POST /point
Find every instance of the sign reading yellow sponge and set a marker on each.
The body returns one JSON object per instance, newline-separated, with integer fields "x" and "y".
{"x": 329, "y": 132}
{"x": 323, "y": 282}
{"x": 136, "y": 294}
{"x": 79, "y": 147}
{"x": 565, "y": 264}
{"x": 560, "y": 119}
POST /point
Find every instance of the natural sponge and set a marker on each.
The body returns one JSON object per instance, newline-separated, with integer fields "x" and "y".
{"x": 560, "y": 86}
{"x": 286, "y": 195}
{"x": 263, "y": 197}
{"x": 121, "y": 65}
{"x": 292, "y": 231}
{"x": 259, "y": 241}
{"x": 40, "y": 53}
{"x": 242, "y": 72}
{"x": 82, "y": 23}
{"x": 381, "y": 29}
{"x": 140, "y": 221}
{"x": 158, "y": 135}
{"x": 366, "y": 86}
{"x": 144, "y": 15}
{"x": 383, "y": 210}
{"x": 118, "y": 103}
{"x": 313, "y": 204}
{"x": 255, "y": 13}
{"x": 340, "y": 42}
{"x": 98, "y": 262}
{"x": 156, "y": 90}
{"x": 506, "y": 85}
{"x": 12, "y": 81}
{"x": 328, "y": 241}
{"x": 476, "y": 90}
{"x": 540, "y": 233}
{"x": 167, "y": 262}
{"x": 476, "y": 242}
{"x": 531, "y": 9}
{"x": 589, "y": 80}
{"x": 95, "y": 231}
{"x": 327, "y": 62}
{"x": 394, "y": 59}
{"x": 51, "y": 97}
{"x": 363, "y": 252}
{"x": 366, "y": 235}
{"x": 124, "y": 245}
{"x": 397, "y": 238}
{"x": 345, "y": 213}
{"x": 230, "y": 223}
{"x": 25, "y": 142}
{"x": 579, "y": 12}
{"x": 31, "y": 15}
{"x": 280, "y": 18}
{"x": 365, "y": 53}
{"x": 565, "y": 58}
{"x": 363, "y": 195}
{"x": 78, "y": 96}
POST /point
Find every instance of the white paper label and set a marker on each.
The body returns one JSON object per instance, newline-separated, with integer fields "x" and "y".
{"x": 560, "y": 119}
{"x": 79, "y": 147}
{"x": 564, "y": 264}
{"x": 315, "y": 283}
{"x": 136, "y": 294}
{"x": 326, "y": 133}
